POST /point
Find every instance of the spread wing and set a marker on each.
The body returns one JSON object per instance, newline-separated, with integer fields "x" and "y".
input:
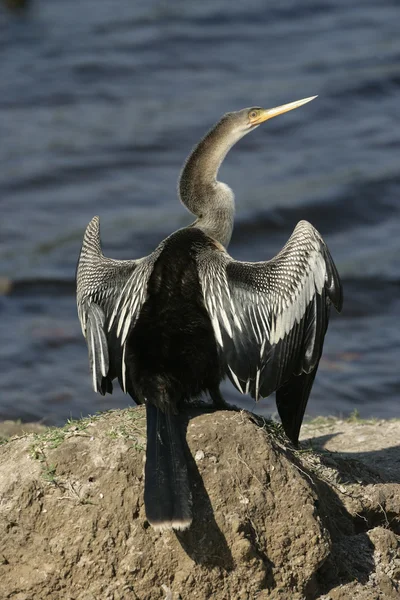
{"x": 270, "y": 318}
{"x": 110, "y": 294}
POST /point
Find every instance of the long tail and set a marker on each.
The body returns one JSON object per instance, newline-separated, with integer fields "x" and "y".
{"x": 167, "y": 495}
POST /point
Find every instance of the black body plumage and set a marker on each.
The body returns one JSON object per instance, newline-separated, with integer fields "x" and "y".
{"x": 172, "y": 325}
{"x": 171, "y": 351}
{"x": 171, "y": 358}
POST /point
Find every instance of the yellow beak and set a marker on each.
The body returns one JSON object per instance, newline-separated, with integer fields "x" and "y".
{"x": 269, "y": 113}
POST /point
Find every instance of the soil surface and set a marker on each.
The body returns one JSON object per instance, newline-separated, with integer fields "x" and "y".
{"x": 269, "y": 521}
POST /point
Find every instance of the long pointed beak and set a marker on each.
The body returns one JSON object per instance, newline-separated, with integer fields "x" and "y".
{"x": 269, "y": 113}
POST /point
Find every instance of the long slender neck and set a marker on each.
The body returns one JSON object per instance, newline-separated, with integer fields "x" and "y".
{"x": 210, "y": 200}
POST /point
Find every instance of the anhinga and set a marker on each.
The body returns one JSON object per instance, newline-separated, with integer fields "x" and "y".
{"x": 172, "y": 325}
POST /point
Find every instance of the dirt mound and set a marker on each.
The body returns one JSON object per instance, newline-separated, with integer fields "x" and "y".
{"x": 269, "y": 522}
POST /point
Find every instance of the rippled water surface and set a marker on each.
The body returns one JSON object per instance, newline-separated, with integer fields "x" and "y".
{"x": 100, "y": 102}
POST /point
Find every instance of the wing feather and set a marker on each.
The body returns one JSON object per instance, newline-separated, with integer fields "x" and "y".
{"x": 97, "y": 345}
{"x": 270, "y": 318}
{"x": 110, "y": 294}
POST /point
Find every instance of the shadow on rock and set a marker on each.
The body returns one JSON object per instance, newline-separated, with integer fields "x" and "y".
{"x": 358, "y": 503}
{"x": 203, "y": 541}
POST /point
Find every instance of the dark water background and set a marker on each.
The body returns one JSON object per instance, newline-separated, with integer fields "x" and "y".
{"x": 100, "y": 102}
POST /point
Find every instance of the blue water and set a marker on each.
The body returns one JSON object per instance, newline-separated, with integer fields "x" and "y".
{"x": 100, "y": 103}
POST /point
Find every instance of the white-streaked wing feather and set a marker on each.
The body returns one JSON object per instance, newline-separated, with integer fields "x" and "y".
{"x": 110, "y": 294}
{"x": 270, "y": 318}
{"x": 97, "y": 344}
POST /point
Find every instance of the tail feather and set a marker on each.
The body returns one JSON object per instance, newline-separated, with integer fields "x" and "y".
{"x": 167, "y": 495}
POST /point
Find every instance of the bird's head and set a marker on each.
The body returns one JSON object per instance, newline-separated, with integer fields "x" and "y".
{"x": 199, "y": 189}
{"x": 247, "y": 119}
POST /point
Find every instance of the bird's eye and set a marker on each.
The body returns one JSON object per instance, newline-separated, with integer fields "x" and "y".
{"x": 253, "y": 114}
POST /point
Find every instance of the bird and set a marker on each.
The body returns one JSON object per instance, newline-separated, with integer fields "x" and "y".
{"x": 171, "y": 326}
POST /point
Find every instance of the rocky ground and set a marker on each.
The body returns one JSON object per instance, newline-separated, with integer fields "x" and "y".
{"x": 270, "y": 521}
